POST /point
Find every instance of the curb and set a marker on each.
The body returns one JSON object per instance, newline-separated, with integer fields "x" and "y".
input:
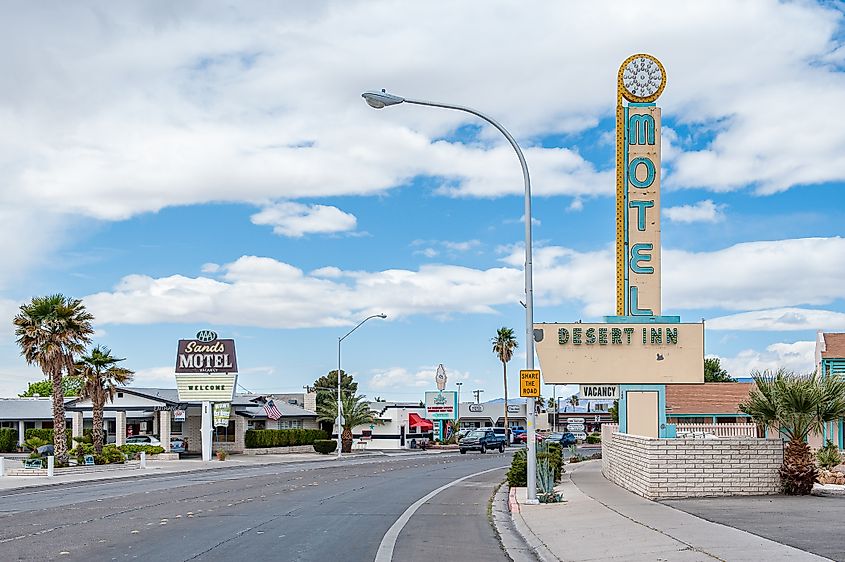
{"x": 512, "y": 542}
{"x": 531, "y": 548}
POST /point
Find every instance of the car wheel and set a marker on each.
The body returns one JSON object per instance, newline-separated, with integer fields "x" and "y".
{"x": 483, "y": 449}
{"x": 463, "y": 451}
{"x": 502, "y": 448}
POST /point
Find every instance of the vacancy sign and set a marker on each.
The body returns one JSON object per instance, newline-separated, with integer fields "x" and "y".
{"x": 529, "y": 383}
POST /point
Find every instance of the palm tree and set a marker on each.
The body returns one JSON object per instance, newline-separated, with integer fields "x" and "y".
{"x": 573, "y": 401}
{"x": 795, "y": 405}
{"x": 355, "y": 412}
{"x": 100, "y": 377}
{"x": 503, "y": 345}
{"x": 50, "y": 331}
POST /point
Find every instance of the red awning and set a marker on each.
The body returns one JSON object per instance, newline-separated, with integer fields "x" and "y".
{"x": 416, "y": 421}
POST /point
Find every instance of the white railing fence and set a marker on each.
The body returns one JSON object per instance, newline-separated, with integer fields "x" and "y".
{"x": 701, "y": 429}
{"x": 719, "y": 429}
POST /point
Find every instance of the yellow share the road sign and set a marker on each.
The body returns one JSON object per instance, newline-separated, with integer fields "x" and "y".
{"x": 529, "y": 383}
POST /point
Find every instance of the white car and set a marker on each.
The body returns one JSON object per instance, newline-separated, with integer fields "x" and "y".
{"x": 143, "y": 440}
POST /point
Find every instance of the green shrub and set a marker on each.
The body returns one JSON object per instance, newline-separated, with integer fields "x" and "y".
{"x": 8, "y": 440}
{"x": 111, "y": 455}
{"x": 518, "y": 472}
{"x": 133, "y": 449}
{"x": 325, "y": 446}
{"x": 45, "y": 434}
{"x": 594, "y": 438}
{"x": 828, "y": 456}
{"x": 261, "y": 438}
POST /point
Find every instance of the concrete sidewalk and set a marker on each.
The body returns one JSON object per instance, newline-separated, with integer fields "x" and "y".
{"x": 601, "y": 521}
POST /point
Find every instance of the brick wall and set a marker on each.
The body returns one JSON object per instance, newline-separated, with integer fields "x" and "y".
{"x": 681, "y": 468}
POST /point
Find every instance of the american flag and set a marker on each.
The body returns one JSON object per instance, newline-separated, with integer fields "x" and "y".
{"x": 271, "y": 410}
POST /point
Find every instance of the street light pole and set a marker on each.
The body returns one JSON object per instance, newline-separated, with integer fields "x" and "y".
{"x": 339, "y": 404}
{"x": 379, "y": 100}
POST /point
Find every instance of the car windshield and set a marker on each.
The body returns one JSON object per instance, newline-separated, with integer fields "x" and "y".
{"x": 476, "y": 433}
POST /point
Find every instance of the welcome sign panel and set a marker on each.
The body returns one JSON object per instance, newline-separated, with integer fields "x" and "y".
{"x": 621, "y": 353}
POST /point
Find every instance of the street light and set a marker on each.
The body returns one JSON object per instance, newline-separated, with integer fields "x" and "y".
{"x": 382, "y": 99}
{"x": 339, "y": 405}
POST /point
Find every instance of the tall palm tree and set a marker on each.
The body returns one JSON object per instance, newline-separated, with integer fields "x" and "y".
{"x": 100, "y": 377}
{"x": 795, "y": 405}
{"x": 50, "y": 331}
{"x": 503, "y": 345}
{"x": 355, "y": 412}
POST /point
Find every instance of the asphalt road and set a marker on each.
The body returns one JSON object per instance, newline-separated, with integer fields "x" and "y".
{"x": 326, "y": 511}
{"x": 805, "y": 522}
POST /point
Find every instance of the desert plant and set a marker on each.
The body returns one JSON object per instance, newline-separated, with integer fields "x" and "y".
{"x": 355, "y": 412}
{"x": 325, "y": 446}
{"x": 795, "y": 405}
{"x": 546, "y": 475}
{"x": 99, "y": 378}
{"x": 828, "y": 456}
{"x": 50, "y": 331}
{"x": 503, "y": 345}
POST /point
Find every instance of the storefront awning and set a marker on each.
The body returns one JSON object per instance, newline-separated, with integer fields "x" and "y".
{"x": 416, "y": 421}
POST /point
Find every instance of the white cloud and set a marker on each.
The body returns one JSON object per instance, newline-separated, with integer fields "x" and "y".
{"x": 296, "y": 220}
{"x": 796, "y": 356}
{"x": 197, "y": 104}
{"x": 210, "y": 267}
{"x": 155, "y": 377}
{"x": 781, "y": 319}
{"x": 258, "y": 291}
{"x": 703, "y": 211}
{"x": 398, "y": 378}
{"x": 464, "y": 246}
{"x": 427, "y": 252}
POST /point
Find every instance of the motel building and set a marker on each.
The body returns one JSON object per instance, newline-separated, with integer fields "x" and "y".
{"x": 401, "y": 425}
{"x": 158, "y": 412}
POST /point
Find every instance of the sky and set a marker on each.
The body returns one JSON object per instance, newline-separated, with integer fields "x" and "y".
{"x": 212, "y": 165}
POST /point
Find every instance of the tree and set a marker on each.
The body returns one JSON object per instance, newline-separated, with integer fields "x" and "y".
{"x": 100, "y": 376}
{"x": 355, "y": 412}
{"x": 503, "y": 345}
{"x": 70, "y": 387}
{"x": 573, "y": 401}
{"x": 326, "y": 386}
{"x": 614, "y": 411}
{"x": 713, "y": 371}
{"x": 795, "y": 405}
{"x": 50, "y": 331}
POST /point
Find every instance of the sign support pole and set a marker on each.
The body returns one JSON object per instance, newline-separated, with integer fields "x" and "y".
{"x": 205, "y": 430}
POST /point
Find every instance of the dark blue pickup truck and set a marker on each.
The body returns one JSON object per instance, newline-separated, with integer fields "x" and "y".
{"x": 482, "y": 440}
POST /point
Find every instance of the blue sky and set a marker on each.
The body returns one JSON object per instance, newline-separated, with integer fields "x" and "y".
{"x": 209, "y": 165}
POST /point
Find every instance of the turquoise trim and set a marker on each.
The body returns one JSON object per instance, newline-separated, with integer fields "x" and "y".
{"x": 707, "y": 414}
{"x": 635, "y": 306}
{"x": 641, "y": 206}
{"x": 637, "y": 256}
{"x": 650, "y": 174}
{"x": 841, "y": 436}
{"x": 641, "y": 122}
{"x": 664, "y": 429}
{"x": 627, "y": 305}
{"x": 642, "y": 319}
{"x": 642, "y": 104}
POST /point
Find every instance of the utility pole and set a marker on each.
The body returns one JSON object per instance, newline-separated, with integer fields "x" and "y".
{"x": 477, "y": 395}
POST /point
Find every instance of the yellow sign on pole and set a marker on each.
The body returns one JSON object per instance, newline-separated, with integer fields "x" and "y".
{"x": 529, "y": 383}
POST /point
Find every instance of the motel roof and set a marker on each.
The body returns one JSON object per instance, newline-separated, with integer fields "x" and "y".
{"x": 834, "y": 345}
{"x": 707, "y": 398}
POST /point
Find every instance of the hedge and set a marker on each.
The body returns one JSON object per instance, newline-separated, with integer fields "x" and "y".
{"x": 325, "y": 446}
{"x": 260, "y": 438}
{"x": 46, "y": 435}
{"x": 134, "y": 448}
{"x": 8, "y": 440}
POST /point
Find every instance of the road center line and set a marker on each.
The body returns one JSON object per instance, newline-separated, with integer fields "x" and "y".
{"x": 388, "y": 543}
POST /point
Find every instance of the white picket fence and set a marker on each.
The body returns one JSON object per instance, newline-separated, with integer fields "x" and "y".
{"x": 701, "y": 429}
{"x": 718, "y": 429}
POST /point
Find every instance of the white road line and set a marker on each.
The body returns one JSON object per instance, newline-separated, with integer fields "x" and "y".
{"x": 388, "y": 543}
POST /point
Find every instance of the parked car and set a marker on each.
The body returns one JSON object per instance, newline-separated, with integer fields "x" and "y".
{"x": 522, "y": 438}
{"x": 143, "y": 440}
{"x": 482, "y": 440}
{"x": 178, "y": 445}
{"x": 565, "y": 439}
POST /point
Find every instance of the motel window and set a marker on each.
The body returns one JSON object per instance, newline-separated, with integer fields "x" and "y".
{"x": 256, "y": 424}
{"x": 8, "y": 424}
{"x": 47, "y": 425}
{"x": 176, "y": 427}
{"x": 29, "y": 425}
{"x": 367, "y": 434}
{"x": 225, "y": 434}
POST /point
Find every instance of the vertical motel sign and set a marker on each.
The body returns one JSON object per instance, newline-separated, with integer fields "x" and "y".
{"x": 641, "y": 80}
